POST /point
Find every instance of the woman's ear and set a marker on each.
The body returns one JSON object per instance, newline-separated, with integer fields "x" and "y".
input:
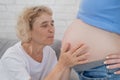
{"x": 29, "y": 36}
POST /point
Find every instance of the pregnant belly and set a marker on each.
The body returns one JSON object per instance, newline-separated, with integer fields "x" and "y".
{"x": 100, "y": 42}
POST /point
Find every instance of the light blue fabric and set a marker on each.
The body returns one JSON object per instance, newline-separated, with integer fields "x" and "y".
{"x": 99, "y": 73}
{"x": 104, "y": 14}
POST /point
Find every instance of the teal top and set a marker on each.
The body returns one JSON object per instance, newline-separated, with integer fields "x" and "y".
{"x": 103, "y": 14}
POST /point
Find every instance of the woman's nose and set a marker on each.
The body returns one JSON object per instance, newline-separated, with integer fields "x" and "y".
{"x": 51, "y": 29}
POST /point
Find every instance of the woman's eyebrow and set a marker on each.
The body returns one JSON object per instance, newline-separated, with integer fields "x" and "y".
{"x": 52, "y": 21}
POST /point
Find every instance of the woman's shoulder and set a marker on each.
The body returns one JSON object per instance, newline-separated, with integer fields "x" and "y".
{"x": 12, "y": 56}
{"x": 12, "y": 52}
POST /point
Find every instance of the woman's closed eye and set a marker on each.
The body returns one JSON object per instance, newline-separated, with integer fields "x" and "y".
{"x": 52, "y": 24}
{"x": 44, "y": 25}
{"x": 47, "y": 25}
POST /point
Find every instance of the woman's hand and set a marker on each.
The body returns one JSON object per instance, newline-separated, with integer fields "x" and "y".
{"x": 71, "y": 57}
{"x": 113, "y": 61}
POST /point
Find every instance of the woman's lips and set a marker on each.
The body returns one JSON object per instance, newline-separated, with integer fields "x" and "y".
{"x": 50, "y": 36}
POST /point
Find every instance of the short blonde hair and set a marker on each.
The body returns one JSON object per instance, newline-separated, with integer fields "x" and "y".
{"x": 26, "y": 20}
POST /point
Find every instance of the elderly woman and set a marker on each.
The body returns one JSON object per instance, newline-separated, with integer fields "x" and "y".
{"x": 98, "y": 26}
{"x": 32, "y": 58}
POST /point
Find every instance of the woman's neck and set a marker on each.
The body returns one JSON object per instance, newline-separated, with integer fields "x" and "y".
{"x": 34, "y": 50}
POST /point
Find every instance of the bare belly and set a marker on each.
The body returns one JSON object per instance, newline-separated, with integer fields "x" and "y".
{"x": 100, "y": 42}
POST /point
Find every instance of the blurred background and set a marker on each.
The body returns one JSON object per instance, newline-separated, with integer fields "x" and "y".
{"x": 64, "y": 12}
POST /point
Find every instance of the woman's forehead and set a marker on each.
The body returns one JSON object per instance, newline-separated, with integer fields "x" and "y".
{"x": 44, "y": 19}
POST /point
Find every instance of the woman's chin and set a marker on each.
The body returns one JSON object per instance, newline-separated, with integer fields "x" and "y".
{"x": 50, "y": 42}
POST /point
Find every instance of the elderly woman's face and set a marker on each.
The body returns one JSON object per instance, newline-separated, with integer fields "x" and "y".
{"x": 43, "y": 30}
